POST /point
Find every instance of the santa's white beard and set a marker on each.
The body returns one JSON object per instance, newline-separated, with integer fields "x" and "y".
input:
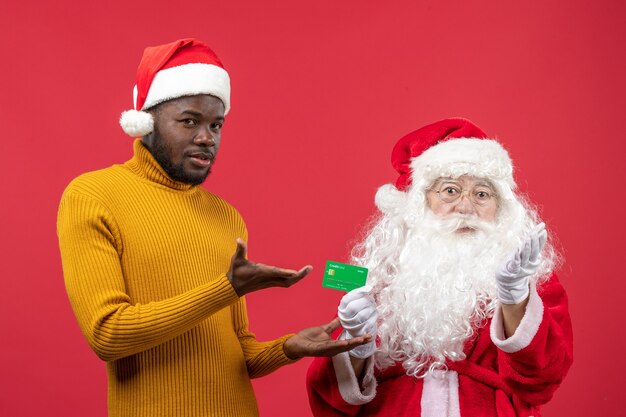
{"x": 441, "y": 290}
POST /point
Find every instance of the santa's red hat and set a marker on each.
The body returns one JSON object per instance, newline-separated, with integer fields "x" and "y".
{"x": 185, "y": 67}
{"x": 447, "y": 148}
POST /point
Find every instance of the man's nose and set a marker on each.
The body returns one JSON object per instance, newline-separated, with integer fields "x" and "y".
{"x": 204, "y": 137}
{"x": 464, "y": 205}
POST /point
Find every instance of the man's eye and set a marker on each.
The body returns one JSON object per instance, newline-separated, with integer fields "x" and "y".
{"x": 450, "y": 191}
{"x": 216, "y": 126}
{"x": 483, "y": 195}
{"x": 189, "y": 122}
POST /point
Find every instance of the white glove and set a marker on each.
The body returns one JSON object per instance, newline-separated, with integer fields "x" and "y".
{"x": 512, "y": 278}
{"x": 357, "y": 314}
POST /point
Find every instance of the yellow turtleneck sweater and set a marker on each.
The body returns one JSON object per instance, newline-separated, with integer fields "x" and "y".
{"x": 145, "y": 261}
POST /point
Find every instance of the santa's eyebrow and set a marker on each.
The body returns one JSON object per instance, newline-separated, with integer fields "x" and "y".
{"x": 440, "y": 181}
{"x": 485, "y": 184}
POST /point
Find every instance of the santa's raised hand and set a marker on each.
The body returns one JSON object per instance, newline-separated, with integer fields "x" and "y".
{"x": 512, "y": 278}
{"x": 358, "y": 315}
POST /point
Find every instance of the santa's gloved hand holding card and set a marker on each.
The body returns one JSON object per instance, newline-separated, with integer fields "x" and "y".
{"x": 358, "y": 315}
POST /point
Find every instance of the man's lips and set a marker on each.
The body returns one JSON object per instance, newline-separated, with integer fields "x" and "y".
{"x": 465, "y": 227}
{"x": 201, "y": 159}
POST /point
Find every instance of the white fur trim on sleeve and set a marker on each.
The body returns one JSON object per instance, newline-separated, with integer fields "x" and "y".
{"x": 527, "y": 328}
{"x": 349, "y": 385}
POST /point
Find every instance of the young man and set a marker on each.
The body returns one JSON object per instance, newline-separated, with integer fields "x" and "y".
{"x": 470, "y": 318}
{"x": 155, "y": 266}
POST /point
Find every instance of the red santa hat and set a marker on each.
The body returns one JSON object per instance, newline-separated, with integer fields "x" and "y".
{"x": 185, "y": 67}
{"x": 447, "y": 148}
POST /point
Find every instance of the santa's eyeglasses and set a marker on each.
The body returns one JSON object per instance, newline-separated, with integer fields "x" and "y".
{"x": 450, "y": 192}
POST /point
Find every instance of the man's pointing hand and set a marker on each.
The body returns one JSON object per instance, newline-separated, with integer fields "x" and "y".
{"x": 246, "y": 276}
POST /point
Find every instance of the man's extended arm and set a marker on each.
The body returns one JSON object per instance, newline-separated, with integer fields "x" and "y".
{"x": 115, "y": 326}
{"x": 262, "y": 358}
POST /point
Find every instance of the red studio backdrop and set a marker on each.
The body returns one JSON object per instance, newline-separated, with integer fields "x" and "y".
{"x": 321, "y": 92}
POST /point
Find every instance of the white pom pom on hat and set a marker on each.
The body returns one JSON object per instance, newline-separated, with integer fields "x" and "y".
{"x": 182, "y": 68}
{"x": 136, "y": 123}
{"x": 389, "y": 199}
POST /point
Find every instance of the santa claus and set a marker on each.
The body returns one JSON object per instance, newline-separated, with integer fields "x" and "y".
{"x": 469, "y": 317}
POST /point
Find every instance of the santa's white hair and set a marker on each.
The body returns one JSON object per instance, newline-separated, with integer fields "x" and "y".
{"x": 434, "y": 287}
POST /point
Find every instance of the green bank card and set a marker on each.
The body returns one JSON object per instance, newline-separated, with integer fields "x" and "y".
{"x": 343, "y": 277}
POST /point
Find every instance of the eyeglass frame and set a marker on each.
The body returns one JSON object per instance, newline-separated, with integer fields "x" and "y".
{"x": 463, "y": 191}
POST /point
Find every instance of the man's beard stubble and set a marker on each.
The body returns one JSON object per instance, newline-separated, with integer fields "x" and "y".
{"x": 160, "y": 152}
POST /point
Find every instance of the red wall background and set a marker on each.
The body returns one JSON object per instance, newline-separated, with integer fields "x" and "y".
{"x": 321, "y": 92}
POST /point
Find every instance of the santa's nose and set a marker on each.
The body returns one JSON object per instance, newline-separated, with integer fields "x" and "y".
{"x": 464, "y": 205}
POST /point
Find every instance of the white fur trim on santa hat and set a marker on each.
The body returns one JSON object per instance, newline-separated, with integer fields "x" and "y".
{"x": 189, "y": 80}
{"x": 136, "y": 123}
{"x": 483, "y": 158}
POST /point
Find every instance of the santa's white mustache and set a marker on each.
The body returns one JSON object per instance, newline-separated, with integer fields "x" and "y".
{"x": 454, "y": 222}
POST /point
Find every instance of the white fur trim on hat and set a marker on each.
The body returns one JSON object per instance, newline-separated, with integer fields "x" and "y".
{"x": 136, "y": 123}
{"x": 483, "y": 158}
{"x": 189, "y": 80}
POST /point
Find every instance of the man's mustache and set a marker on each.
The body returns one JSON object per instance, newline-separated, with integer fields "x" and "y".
{"x": 454, "y": 222}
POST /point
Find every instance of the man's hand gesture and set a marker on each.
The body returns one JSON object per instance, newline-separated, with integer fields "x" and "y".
{"x": 246, "y": 276}
{"x": 512, "y": 278}
{"x": 316, "y": 341}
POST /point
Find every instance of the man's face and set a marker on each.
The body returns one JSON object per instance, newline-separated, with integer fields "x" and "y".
{"x": 186, "y": 136}
{"x": 466, "y": 195}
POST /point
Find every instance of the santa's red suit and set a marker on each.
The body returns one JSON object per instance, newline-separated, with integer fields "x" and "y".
{"x": 500, "y": 376}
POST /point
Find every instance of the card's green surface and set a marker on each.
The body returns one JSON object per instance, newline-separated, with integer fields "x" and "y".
{"x": 343, "y": 277}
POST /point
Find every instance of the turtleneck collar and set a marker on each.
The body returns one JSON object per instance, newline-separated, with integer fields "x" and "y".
{"x": 144, "y": 165}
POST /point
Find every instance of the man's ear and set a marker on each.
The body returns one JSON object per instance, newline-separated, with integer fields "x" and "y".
{"x": 147, "y": 142}
{"x": 148, "y": 139}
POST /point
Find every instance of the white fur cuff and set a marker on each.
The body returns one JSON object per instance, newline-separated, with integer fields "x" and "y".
{"x": 526, "y": 330}
{"x": 349, "y": 385}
